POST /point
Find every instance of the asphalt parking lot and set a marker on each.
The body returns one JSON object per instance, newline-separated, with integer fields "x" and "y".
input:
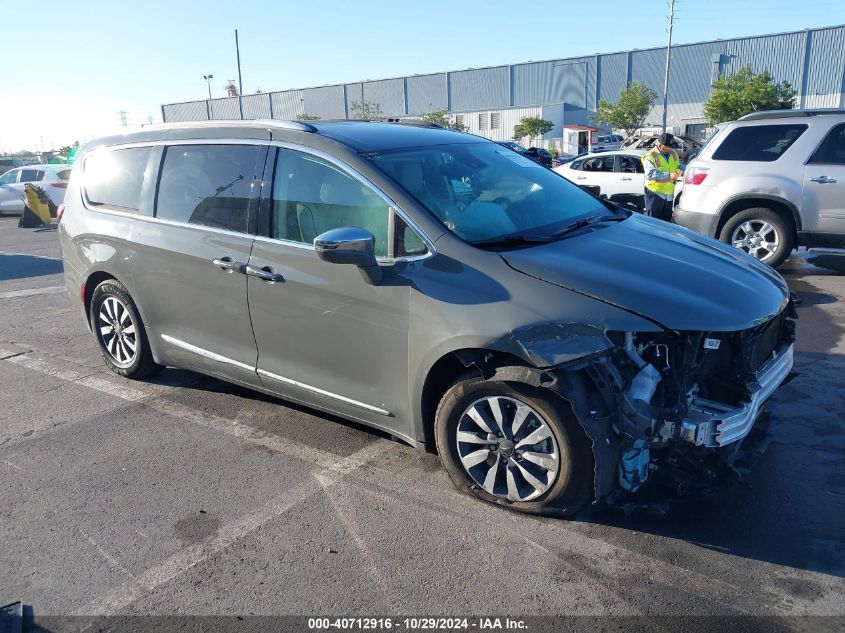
{"x": 185, "y": 495}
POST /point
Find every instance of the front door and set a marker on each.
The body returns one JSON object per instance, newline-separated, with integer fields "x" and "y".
{"x": 193, "y": 257}
{"x": 325, "y": 336}
{"x": 823, "y": 204}
{"x": 11, "y": 192}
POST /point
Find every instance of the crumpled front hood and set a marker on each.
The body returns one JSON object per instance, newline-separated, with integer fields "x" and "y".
{"x": 676, "y": 277}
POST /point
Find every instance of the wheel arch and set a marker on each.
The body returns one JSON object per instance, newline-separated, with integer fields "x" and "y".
{"x": 446, "y": 370}
{"x": 777, "y": 204}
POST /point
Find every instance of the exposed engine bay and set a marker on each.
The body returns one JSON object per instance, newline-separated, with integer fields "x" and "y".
{"x": 678, "y": 411}
{"x": 685, "y": 401}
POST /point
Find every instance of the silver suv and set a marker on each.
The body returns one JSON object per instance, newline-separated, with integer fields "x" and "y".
{"x": 770, "y": 182}
{"x": 552, "y": 348}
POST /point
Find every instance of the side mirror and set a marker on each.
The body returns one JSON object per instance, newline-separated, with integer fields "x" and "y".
{"x": 350, "y": 246}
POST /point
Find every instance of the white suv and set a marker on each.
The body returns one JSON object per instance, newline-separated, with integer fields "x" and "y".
{"x": 769, "y": 182}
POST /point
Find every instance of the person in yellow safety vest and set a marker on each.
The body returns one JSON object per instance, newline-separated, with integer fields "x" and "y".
{"x": 662, "y": 170}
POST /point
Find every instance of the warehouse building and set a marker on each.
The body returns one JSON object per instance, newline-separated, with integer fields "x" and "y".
{"x": 491, "y": 101}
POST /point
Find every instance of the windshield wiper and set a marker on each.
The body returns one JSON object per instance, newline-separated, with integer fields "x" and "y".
{"x": 580, "y": 224}
{"x": 510, "y": 240}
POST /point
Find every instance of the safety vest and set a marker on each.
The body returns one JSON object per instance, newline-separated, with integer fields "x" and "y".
{"x": 671, "y": 165}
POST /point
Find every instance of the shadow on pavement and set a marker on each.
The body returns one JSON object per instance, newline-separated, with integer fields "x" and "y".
{"x": 23, "y": 266}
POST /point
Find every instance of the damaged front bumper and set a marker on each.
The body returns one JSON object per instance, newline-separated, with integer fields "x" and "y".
{"x": 713, "y": 424}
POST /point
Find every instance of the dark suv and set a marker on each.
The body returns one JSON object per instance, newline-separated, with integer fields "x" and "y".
{"x": 552, "y": 348}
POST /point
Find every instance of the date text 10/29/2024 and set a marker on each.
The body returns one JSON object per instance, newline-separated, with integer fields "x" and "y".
{"x": 417, "y": 624}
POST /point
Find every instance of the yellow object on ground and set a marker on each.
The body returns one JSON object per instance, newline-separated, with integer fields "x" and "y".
{"x": 39, "y": 207}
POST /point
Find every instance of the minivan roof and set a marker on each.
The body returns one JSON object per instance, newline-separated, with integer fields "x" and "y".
{"x": 361, "y": 135}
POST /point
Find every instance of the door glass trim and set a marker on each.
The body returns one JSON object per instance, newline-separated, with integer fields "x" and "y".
{"x": 354, "y": 173}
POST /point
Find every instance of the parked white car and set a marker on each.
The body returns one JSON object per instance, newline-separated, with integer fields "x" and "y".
{"x": 613, "y": 172}
{"x": 51, "y": 178}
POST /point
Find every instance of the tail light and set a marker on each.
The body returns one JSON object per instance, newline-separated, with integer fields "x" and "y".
{"x": 60, "y": 211}
{"x": 695, "y": 175}
{"x": 58, "y": 185}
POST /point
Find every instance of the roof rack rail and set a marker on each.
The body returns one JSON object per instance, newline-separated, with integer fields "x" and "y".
{"x": 411, "y": 122}
{"x": 790, "y": 113}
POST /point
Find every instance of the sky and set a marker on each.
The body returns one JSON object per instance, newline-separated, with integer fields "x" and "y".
{"x": 87, "y": 60}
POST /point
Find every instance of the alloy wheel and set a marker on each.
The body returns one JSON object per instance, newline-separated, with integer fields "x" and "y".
{"x": 117, "y": 331}
{"x": 757, "y": 238}
{"x": 508, "y": 448}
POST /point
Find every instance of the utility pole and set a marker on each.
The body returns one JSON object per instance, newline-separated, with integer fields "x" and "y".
{"x": 122, "y": 114}
{"x": 668, "y": 58}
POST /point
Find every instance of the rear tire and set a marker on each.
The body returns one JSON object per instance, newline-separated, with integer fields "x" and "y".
{"x": 562, "y": 461}
{"x": 762, "y": 233}
{"x": 118, "y": 328}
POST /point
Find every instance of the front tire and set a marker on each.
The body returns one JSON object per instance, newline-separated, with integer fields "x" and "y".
{"x": 761, "y": 233}
{"x": 515, "y": 445}
{"x": 118, "y": 328}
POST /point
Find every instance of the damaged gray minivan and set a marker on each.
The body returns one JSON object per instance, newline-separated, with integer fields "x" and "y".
{"x": 551, "y": 347}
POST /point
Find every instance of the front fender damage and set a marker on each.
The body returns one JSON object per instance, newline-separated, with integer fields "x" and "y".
{"x": 671, "y": 413}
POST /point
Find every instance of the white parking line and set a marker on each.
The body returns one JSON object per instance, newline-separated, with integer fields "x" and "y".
{"x": 184, "y": 559}
{"x": 31, "y": 292}
{"x": 151, "y": 399}
{"x": 43, "y": 366}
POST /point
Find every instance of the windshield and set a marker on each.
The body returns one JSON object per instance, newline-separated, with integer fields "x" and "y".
{"x": 483, "y": 191}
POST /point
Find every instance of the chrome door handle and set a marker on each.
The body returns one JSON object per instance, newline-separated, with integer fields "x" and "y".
{"x": 228, "y": 264}
{"x": 625, "y": 179}
{"x": 265, "y": 273}
{"x": 581, "y": 178}
{"x": 823, "y": 180}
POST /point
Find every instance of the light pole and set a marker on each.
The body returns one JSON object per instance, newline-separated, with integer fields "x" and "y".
{"x": 668, "y": 58}
{"x": 208, "y": 79}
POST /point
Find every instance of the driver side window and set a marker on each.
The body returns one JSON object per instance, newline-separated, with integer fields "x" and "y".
{"x": 312, "y": 196}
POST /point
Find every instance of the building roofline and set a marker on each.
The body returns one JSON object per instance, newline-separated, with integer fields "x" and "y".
{"x": 524, "y": 63}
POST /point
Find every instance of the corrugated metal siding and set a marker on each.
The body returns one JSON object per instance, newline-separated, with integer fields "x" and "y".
{"x": 648, "y": 68}
{"x": 566, "y": 80}
{"x": 325, "y": 102}
{"x": 691, "y": 72}
{"x": 614, "y": 76}
{"x": 188, "y": 111}
{"x": 226, "y": 108}
{"x": 426, "y": 93}
{"x": 480, "y": 88}
{"x": 781, "y": 55}
{"x": 289, "y": 104}
{"x": 354, "y": 94}
{"x": 256, "y": 106}
{"x": 555, "y": 81}
{"x": 389, "y": 94}
{"x": 827, "y": 64}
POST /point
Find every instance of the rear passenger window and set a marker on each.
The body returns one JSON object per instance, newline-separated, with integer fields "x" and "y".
{"x": 832, "y": 149}
{"x": 114, "y": 178}
{"x": 312, "y": 196}
{"x": 630, "y": 165}
{"x": 210, "y": 185}
{"x": 31, "y": 175}
{"x": 760, "y": 143}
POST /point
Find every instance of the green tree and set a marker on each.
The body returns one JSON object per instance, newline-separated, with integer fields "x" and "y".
{"x": 365, "y": 110}
{"x": 532, "y": 127}
{"x": 629, "y": 111}
{"x": 441, "y": 118}
{"x": 307, "y": 117}
{"x": 745, "y": 92}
